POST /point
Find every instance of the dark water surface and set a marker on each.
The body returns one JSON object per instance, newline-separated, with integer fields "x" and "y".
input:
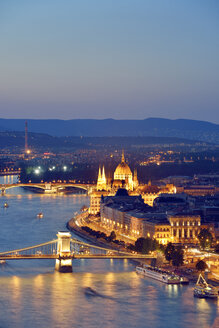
{"x": 32, "y": 294}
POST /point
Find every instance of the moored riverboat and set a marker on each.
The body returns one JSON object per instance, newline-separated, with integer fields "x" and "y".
{"x": 184, "y": 280}
{"x": 203, "y": 290}
{"x": 158, "y": 274}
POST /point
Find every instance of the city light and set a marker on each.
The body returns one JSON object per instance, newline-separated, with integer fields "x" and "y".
{"x": 37, "y": 171}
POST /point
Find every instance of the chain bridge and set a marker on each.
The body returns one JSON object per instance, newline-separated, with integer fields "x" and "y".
{"x": 64, "y": 249}
{"x": 48, "y": 188}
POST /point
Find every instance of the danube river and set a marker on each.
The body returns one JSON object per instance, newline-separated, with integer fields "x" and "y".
{"x": 34, "y": 295}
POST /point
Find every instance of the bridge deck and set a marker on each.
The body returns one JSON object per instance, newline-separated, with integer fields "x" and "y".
{"x": 74, "y": 256}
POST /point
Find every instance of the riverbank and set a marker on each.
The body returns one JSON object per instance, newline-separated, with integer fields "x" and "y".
{"x": 72, "y": 226}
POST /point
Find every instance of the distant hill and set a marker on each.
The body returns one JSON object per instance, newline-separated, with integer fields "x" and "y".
{"x": 42, "y": 142}
{"x": 155, "y": 127}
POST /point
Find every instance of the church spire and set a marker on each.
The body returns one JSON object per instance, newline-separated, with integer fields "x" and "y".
{"x": 103, "y": 175}
{"x": 99, "y": 175}
{"x": 123, "y": 156}
{"x": 135, "y": 174}
{"x": 135, "y": 179}
{"x": 101, "y": 181}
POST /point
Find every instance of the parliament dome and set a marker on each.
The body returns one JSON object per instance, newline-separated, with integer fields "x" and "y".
{"x": 123, "y": 174}
{"x": 123, "y": 170}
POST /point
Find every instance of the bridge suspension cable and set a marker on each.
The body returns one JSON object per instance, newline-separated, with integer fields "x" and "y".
{"x": 28, "y": 248}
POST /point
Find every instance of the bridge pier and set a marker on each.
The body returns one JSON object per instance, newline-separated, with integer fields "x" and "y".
{"x": 3, "y": 191}
{"x": 64, "y": 262}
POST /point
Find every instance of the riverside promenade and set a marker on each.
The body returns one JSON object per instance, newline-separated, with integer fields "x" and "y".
{"x": 76, "y": 229}
{"x": 80, "y": 220}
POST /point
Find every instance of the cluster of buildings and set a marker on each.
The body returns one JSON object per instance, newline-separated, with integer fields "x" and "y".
{"x": 158, "y": 212}
{"x": 129, "y": 215}
{"x": 124, "y": 178}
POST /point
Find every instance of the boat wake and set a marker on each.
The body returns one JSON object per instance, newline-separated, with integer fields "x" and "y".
{"x": 88, "y": 291}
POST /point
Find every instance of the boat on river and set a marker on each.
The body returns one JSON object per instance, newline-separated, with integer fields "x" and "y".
{"x": 184, "y": 280}
{"x": 158, "y": 274}
{"x": 6, "y": 205}
{"x": 203, "y": 290}
{"x": 40, "y": 215}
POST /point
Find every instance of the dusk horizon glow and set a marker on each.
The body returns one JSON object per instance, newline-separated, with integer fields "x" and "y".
{"x": 99, "y": 60}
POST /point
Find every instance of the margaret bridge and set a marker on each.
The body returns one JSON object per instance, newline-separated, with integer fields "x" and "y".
{"x": 48, "y": 188}
{"x": 64, "y": 249}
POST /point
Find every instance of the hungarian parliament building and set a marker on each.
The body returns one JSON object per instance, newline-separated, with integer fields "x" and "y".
{"x": 136, "y": 210}
{"x": 124, "y": 178}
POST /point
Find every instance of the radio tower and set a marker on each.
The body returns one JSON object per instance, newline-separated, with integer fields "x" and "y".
{"x": 26, "y": 143}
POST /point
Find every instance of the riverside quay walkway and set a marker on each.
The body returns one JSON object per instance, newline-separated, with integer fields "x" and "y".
{"x": 64, "y": 249}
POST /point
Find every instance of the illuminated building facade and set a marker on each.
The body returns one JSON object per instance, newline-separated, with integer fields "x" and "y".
{"x": 150, "y": 192}
{"x": 126, "y": 214}
{"x": 163, "y": 233}
{"x": 185, "y": 228}
{"x": 95, "y": 198}
{"x": 199, "y": 190}
{"x": 130, "y": 216}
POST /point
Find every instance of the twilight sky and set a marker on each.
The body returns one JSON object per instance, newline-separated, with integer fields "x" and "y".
{"x": 124, "y": 59}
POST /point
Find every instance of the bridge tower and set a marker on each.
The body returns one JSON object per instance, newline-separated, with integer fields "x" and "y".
{"x": 64, "y": 262}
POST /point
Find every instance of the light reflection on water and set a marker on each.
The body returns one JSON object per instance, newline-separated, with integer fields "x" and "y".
{"x": 33, "y": 294}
